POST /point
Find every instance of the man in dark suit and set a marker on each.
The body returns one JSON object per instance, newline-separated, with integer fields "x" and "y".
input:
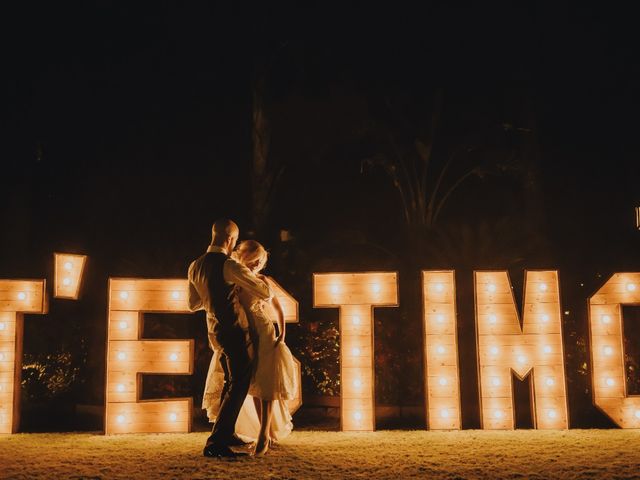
{"x": 212, "y": 278}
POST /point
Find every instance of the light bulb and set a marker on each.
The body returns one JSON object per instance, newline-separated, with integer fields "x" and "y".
{"x": 120, "y": 418}
{"x": 495, "y": 382}
{"x": 493, "y": 319}
{"x": 545, "y": 318}
{"x": 122, "y": 356}
{"x": 355, "y": 351}
{"x": 605, "y": 319}
{"x": 175, "y": 295}
{"x": 173, "y": 417}
{"x": 335, "y": 289}
{"x": 608, "y": 350}
{"x": 173, "y": 357}
{"x": 522, "y": 359}
{"x": 440, "y": 318}
{"x": 22, "y": 296}
{"x": 439, "y": 287}
{"x": 123, "y": 325}
{"x": 444, "y": 413}
{"x": 66, "y": 281}
{"x": 637, "y": 414}
{"x": 631, "y": 287}
{"x": 543, "y": 287}
{"x": 355, "y": 320}
{"x": 552, "y": 414}
{"x": 124, "y": 295}
{"x": 2, "y": 326}
{"x": 1, "y": 356}
{"x": 494, "y": 350}
{"x": 491, "y": 288}
{"x": 357, "y": 416}
{"x": 442, "y": 381}
{"x": 68, "y": 266}
{"x": 357, "y": 383}
{"x": 610, "y": 382}
{"x": 440, "y": 349}
{"x": 375, "y": 288}
{"x": 120, "y": 387}
{"x": 498, "y": 414}
{"x": 549, "y": 382}
{"x": 546, "y": 349}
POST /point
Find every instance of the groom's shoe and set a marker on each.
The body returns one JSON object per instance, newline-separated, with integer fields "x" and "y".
{"x": 221, "y": 451}
{"x": 236, "y": 441}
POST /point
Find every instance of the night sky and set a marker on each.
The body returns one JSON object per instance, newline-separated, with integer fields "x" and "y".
{"x": 129, "y": 131}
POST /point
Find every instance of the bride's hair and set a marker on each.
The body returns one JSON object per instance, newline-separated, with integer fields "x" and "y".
{"x": 250, "y": 252}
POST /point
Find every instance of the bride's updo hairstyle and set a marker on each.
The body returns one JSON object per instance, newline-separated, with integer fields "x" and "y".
{"x": 251, "y": 254}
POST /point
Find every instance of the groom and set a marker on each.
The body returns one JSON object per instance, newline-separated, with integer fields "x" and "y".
{"x": 211, "y": 280}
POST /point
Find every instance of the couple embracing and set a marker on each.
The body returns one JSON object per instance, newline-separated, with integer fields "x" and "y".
{"x": 252, "y": 372}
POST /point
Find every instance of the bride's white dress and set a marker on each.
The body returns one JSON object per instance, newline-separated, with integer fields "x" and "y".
{"x": 274, "y": 377}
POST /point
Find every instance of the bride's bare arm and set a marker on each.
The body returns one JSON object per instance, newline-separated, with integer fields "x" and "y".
{"x": 281, "y": 322}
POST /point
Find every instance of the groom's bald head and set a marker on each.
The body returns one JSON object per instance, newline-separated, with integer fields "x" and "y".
{"x": 224, "y": 233}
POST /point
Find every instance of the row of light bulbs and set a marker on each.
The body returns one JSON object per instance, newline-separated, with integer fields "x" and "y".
{"x": 335, "y": 289}
{"x": 123, "y": 356}
{"x": 548, "y": 381}
{"x": 68, "y": 266}
{"x": 3, "y": 418}
{"x": 543, "y": 287}
{"x": 375, "y": 288}
{"x": 124, "y": 295}
{"x": 172, "y": 417}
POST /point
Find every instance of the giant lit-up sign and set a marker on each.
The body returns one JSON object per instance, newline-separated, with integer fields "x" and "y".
{"x": 607, "y": 349}
{"x": 505, "y": 347}
{"x": 442, "y": 380}
{"x": 129, "y": 356}
{"x": 508, "y": 342}
{"x": 17, "y": 297}
{"x": 356, "y": 294}
{"x": 68, "y": 270}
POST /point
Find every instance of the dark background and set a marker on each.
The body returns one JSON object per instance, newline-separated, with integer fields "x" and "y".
{"x": 129, "y": 130}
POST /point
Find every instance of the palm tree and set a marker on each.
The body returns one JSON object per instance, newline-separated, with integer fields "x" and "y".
{"x": 426, "y": 178}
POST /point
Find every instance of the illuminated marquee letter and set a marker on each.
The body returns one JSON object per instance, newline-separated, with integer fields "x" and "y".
{"x": 607, "y": 352}
{"x": 503, "y": 346}
{"x": 290, "y": 309}
{"x": 442, "y": 383}
{"x": 128, "y": 356}
{"x": 17, "y": 297}
{"x": 68, "y": 270}
{"x": 356, "y": 294}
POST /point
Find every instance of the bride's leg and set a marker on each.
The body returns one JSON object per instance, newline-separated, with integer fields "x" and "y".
{"x": 267, "y": 407}
{"x": 262, "y": 444}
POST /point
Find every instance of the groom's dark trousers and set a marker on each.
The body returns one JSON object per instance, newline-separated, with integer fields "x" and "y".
{"x": 207, "y": 285}
{"x": 238, "y": 369}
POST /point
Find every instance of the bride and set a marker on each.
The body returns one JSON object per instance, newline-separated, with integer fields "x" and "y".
{"x": 264, "y": 415}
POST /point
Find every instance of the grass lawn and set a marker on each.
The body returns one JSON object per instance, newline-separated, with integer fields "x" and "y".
{"x": 319, "y": 454}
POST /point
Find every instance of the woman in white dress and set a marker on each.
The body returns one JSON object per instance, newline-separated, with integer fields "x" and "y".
{"x": 264, "y": 415}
